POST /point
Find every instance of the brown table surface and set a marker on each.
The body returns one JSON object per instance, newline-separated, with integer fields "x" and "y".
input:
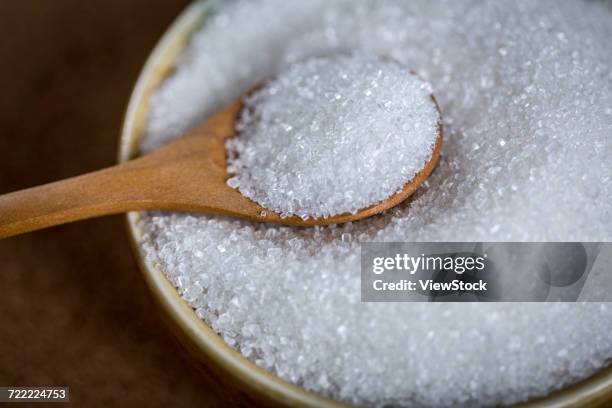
{"x": 74, "y": 309}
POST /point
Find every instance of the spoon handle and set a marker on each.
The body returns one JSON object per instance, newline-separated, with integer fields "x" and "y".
{"x": 113, "y": 190}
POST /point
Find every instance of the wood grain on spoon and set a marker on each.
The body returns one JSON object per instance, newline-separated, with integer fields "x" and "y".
{"x": 188, "y": 175}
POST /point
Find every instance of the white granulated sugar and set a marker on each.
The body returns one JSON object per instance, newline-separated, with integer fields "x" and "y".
{"x": 525, "y": 89}
{"x": 333, "y": 135}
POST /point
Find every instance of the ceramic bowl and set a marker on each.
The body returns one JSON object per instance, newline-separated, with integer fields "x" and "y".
{"x": 205, "y": 345}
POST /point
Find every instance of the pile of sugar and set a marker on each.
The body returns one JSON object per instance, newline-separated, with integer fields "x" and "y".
{"x": 525, "y": 89}
{"x": 333, "y": 135}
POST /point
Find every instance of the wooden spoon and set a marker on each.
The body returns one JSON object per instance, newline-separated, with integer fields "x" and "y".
{"x": 187, "y": 175}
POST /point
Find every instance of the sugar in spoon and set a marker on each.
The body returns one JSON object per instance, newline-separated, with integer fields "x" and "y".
{"x": 188, "y": 175}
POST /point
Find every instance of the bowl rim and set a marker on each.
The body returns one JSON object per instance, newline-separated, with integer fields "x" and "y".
{"x": 207, "y": 345}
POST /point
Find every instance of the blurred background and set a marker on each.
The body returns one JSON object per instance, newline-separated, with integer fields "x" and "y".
{"x": 74, "y": 309}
